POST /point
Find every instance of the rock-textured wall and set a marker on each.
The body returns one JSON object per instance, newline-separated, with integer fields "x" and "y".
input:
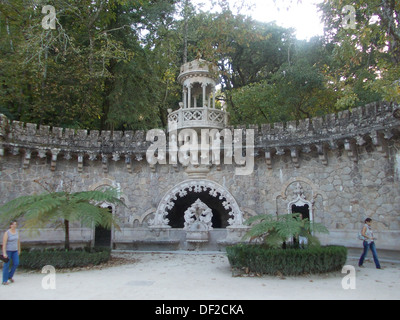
{"x": 346, "y": 166}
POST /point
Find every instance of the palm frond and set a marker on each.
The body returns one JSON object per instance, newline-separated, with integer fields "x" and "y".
{"x": 274, "y": 240}
{"x": 30, "y": 207}
{"x": 316, "y": 227}
{"x": 259, "y": 219}
{"x": 110, "y": 195}
{"x": 287, "y": 228}
{"x": 274, "y": 230}
{"x": 38, "y": 211}
{"x": 90, "y": 215}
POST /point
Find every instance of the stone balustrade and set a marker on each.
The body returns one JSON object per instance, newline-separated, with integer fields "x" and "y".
{"x": 197, "y": 118}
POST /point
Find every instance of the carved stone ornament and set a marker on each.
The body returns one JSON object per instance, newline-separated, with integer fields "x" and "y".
{"x": 300, "y": 200}
{"x": 198, "y": 212}
{"x": 181, "y": 190}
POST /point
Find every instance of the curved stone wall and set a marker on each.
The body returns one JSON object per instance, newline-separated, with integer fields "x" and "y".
{"x": 346, "y": 165}
{"x": 374, "y": 122}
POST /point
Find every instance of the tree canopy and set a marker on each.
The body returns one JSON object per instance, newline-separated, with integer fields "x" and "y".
{"x": 113, "y": 64}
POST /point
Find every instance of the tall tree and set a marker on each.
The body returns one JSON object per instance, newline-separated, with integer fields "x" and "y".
{"x": 367, "y": 48}
{"x": 145, "y": 88}
{"x": 298, "y": 89}
{"x": 61, "y": 208}
{"x": 67, "y": 76}
{"x": 245, "y": 51}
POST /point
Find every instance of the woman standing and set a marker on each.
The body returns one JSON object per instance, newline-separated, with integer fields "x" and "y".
{"x": 11, "y": 250}
{"x": 369, "y": 243}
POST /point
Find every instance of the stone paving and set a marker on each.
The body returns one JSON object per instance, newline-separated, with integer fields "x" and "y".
{"x": 203, "y": 276}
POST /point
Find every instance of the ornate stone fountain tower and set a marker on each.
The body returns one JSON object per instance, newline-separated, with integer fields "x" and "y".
{"x": 199, "y": 112}
{"x": 198, "y": 108}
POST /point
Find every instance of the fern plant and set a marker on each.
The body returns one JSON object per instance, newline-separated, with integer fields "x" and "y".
{"x": 59, "y": 209}
{"x": 275, "y": 230}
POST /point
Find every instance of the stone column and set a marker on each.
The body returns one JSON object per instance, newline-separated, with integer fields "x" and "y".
{"x": 204, "y": 85}
{"x": 213, "y": 91}
{"x": 185, "y": 92}
{"x": 189, "y": 96}
{"x": 195, "y": 101}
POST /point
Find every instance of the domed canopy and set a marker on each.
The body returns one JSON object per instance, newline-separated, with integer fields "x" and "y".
{"x": 199, "y": 79}
{"x": 198, "y": 69}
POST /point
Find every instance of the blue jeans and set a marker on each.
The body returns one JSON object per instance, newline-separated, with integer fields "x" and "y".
{"x": 371, "y": 246}
{"x": 7, "y": 273}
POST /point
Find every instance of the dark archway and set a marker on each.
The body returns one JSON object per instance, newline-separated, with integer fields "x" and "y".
{"x": 220, "y": 214}
{"x": 102, "y": 236}
{"x": 304, "y": 210}
{"x": 211, "y": 189}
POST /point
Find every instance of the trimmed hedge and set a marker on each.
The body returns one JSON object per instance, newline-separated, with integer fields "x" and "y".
{"x": 62, "y": 259}
{"x": 290, "y": 262}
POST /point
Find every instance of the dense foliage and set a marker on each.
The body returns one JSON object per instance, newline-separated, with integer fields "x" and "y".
{"x": 281, "y": 231}
{"x": 113, "y": 64}
{"x": 275, "y": 248}
{"x": 260, "y": 260}
{"x": 62, "y": 259}
{"x": 60, "y": 208}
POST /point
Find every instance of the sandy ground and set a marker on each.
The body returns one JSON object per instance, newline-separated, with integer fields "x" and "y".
{"x": 166, "y": 276}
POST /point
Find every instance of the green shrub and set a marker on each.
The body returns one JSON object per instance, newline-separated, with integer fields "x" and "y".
{"x": 291, "y": 262}
{"x": 275, "y": 230}
{"x": 61, "y": 259}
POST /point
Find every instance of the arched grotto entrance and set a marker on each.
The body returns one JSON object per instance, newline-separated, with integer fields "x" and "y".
{"x": 220, "y": 215}
{"x": 170, "y": 211}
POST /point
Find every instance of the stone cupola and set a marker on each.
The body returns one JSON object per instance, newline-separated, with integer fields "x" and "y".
{"x": 198, "y": 108}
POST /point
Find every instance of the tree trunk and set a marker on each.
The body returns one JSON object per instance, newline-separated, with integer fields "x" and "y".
{"x": 185, "y": 36}
{"x": 9, "y": 35}
{"x": 66, "y": 229}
